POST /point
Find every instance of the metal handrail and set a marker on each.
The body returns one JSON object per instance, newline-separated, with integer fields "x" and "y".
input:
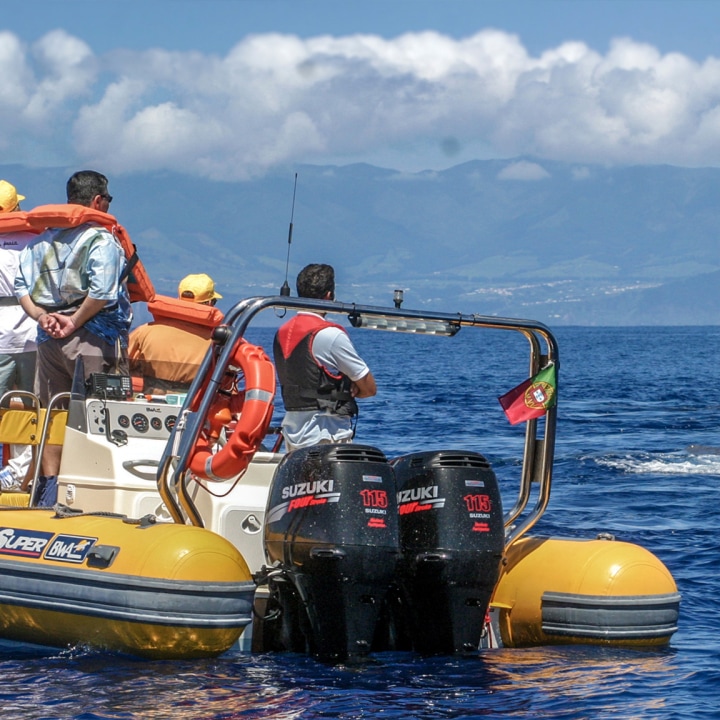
{"x": 54, "y": 400}
{"x": 173, "y": 472}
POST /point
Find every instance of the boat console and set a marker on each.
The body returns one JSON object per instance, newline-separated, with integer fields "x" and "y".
{"x": 121, "y": 420}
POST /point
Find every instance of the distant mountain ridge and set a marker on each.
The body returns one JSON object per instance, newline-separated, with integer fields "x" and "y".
{"x": 557, "y": 242}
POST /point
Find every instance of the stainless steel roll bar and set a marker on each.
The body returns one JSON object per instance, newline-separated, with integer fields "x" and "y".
{"x": 173, "y": 470}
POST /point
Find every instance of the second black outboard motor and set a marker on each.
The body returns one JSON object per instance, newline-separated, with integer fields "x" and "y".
{"x": 452, "y": 540}
{"x": 331, "y": 541}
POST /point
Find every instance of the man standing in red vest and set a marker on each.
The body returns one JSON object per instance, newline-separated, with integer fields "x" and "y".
{"x": 319, "y": 370}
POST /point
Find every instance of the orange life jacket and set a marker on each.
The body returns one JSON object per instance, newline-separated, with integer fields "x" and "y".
{"x": 164, "y": 306}
{"x": 140, "y": 287}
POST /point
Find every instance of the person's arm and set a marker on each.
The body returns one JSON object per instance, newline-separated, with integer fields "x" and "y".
{"x": 333, "y": 349}
{"x": 44, "y": 319}
{"x": 364, "y": 387}
{"x": 68, "y": 324}
{"x": 57, "y": 325}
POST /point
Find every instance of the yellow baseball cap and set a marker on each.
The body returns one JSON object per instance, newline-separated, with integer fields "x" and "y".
{"x": 197, "y": 288}
{"x": 9, "y": 197}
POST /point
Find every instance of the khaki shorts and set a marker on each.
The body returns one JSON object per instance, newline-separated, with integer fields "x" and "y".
{"x": 56, "y": 362}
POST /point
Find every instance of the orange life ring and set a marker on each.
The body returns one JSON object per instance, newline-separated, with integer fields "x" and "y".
{"x": 255, "y": 415}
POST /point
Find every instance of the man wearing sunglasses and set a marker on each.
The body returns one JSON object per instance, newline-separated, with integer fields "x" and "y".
{"x": 70, "y": 282}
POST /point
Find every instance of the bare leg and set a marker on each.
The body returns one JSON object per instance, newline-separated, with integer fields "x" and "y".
{"x": 51, "y": 460}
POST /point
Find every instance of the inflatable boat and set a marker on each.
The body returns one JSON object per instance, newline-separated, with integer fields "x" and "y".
{"x": 183, "y": 529}
{"x": 158, "y": 591}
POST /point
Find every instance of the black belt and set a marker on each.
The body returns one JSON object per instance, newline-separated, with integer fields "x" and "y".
{"x": 7, "y": 301}
{"x": 62, "y": 308}
{"x": 72, "y": 306}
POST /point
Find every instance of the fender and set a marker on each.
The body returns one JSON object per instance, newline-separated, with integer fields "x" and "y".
{"x": 252, "y": 425}
{"x": 139, "y": 285}
{"x": 164, "y": 306}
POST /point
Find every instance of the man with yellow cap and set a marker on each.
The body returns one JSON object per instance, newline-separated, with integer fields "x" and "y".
{"x": 9, "y": 198}
{"x": 18, "y": 349}
{"x": 167, "y": 352}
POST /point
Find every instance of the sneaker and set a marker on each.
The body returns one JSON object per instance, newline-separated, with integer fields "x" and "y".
{"x": 8, "y": 481}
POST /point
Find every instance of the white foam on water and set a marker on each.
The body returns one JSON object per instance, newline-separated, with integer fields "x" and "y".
{"x": 665, "y": 464}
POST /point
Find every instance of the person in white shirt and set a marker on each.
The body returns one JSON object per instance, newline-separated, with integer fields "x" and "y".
{"x": 18, "y": 350}
{"x": 320, "y": 371}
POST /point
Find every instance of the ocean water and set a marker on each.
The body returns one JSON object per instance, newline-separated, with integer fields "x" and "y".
{"x": 632, "y": 403}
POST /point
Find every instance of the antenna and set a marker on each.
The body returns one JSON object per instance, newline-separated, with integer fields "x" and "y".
{"x": 285, "y": 289}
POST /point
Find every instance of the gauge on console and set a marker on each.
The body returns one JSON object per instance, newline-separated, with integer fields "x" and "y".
{"x": 170, "y": 421}
{"x": 140, "y": 423}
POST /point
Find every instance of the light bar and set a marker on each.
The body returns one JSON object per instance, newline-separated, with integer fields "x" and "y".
{"x": 403, "y": 324}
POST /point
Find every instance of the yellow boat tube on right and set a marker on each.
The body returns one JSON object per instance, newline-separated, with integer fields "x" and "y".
{"x": 602, "y": 591}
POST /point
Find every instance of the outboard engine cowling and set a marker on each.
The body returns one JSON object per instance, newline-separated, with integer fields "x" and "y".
{"x": 452, "y": 540}
{"x": 331, "y": 539}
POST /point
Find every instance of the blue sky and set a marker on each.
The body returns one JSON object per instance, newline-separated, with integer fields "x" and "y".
{"x": 687, "y": 26}
{"x": 229, "y": 89}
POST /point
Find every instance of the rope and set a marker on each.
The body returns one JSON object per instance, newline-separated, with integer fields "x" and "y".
{"x": 63, "y": 512}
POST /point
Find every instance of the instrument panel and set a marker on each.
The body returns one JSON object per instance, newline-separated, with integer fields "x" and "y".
{"x": 140, "y": 419}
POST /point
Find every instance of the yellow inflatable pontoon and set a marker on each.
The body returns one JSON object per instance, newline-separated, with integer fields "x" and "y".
{"x": 563, "y": 591}
{"x": 141, "y": 587}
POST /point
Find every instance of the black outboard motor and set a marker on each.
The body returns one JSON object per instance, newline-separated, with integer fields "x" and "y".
{"x": 331, "y": 538}
{"x": 452, "y": 540}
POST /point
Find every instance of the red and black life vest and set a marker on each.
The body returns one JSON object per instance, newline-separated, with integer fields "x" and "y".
{"x": 305, "y": 384}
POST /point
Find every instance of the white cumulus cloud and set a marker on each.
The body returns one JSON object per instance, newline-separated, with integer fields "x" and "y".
{"x": 277, "y": 99}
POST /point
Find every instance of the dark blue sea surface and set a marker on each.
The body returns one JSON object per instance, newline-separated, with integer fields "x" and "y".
{"x": 632, "y": 402}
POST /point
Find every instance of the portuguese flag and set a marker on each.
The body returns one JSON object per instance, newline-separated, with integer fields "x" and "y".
{"x": 532, "y": 398}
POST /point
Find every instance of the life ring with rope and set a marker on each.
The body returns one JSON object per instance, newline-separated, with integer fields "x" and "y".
{"x": 255, "y": 407}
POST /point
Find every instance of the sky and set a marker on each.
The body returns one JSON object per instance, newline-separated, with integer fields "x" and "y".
{"x": 233, "y": 89}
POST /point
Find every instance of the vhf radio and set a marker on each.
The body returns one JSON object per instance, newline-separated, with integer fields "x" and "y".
{"x": 109, "y": 387}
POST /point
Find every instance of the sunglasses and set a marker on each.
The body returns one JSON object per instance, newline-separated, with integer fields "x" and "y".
{"x": 107, "y": 197}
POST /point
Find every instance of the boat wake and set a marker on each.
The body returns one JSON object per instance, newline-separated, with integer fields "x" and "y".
{"x": 675, "y": 463}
